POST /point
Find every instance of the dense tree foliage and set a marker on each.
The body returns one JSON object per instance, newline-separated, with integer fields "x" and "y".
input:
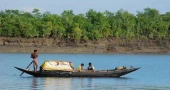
{"x": 149, "y": 24}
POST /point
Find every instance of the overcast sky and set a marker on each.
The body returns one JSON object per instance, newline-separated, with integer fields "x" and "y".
{"x": 82, "y": 6}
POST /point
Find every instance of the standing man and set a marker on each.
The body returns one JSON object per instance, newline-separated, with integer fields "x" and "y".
{"x": 34, "y": 56}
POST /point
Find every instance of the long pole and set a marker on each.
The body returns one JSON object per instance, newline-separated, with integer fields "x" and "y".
{"x": 26, "y": 68}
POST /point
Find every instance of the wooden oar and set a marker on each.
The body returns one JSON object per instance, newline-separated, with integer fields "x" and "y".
{"x": 26, "y": 68}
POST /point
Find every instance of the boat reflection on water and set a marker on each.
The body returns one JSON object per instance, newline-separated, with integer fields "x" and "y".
{"x": 34, "y": 83}
{"x": 78, "y": 83}
{"x": 86, "y": 83}
{"x": 52, "y": 83}
{"x": 91, "y": 84}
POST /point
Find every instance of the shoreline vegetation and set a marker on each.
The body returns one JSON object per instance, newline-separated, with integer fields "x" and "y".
{"x": 147, "y": 31}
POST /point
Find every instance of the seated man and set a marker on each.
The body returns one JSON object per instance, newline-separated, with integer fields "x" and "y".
{"x": 90, "y": 67}
{"x": 79, "y": 68}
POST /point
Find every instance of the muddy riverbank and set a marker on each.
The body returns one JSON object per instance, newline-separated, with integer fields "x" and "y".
{"x": 109, "y": 45}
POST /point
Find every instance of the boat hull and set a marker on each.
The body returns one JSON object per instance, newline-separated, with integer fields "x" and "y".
{"x": 85, "y": 73}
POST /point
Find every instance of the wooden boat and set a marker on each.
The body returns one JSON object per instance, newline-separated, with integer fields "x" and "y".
{"x": 75, "y": 73}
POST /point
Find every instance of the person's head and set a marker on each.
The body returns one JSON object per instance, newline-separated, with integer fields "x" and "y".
{"x": 82, "y": 65}
{"x": 90, "y": 64}
{"x": 35, "y": 50}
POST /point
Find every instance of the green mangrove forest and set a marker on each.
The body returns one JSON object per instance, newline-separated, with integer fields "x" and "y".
{"x": 93, "y": 25}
